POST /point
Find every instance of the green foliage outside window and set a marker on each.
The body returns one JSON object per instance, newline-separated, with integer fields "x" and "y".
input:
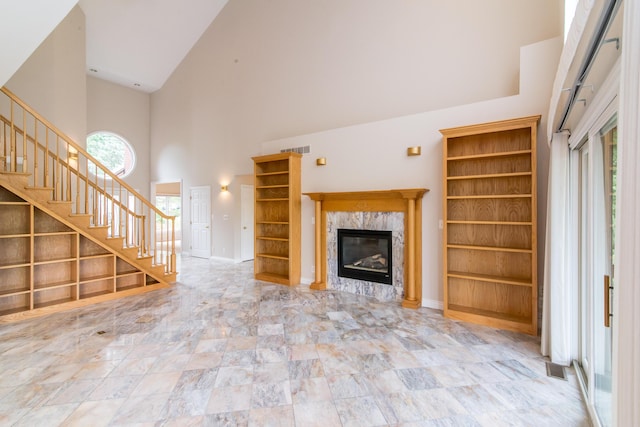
{"x": 110, "y": 150}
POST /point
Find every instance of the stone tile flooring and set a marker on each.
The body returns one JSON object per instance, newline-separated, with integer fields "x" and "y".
{"x": 220, "y": 348}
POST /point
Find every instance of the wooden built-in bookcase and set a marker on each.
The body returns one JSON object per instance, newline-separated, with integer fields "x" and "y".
{"x": 490, "y": 224}
{"x": 44, "y": 263}
{"x": 277, "y": 218}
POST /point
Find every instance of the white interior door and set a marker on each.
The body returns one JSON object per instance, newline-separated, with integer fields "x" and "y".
{"x": 246, "y": 222}
{"x": 200, "y": 198}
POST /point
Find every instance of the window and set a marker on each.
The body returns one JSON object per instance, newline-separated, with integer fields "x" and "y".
{"x": 112, "y": 151}
{"x": 569, "y": 13}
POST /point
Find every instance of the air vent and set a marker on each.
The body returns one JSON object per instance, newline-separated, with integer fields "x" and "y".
{"x": 300, "y": 150}
{"x": 556, "y": 371}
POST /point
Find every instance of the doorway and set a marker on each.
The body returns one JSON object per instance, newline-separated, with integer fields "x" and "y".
{"x": 167, "y": 196}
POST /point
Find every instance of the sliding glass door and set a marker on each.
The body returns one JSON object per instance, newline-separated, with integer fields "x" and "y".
{"x": 597, "y": 162}
{"x": 604, "y": 274}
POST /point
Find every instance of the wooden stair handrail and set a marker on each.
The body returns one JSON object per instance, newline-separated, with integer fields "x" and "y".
{"x": 72, "y": 168}
{"x": 80, "y": 150}
{"x": 59, "y": 170}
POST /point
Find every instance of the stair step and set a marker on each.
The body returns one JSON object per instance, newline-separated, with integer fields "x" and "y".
{"x": 80, "y": 216}
{"x": 146, "y": 261}
{"x": 116, "y": 242}
{"x": 17, "y": 180}
{"x": 31, "y": 187}
{"x": 63, "y": 208}
{"x": 158, "y": 269}
{"x": 82, "y": 220}
{"x": 15, "y": 173}
{"x": 133, "y": 250}
{"x": 41, "y": 194}
{"x": 99, "y": 231}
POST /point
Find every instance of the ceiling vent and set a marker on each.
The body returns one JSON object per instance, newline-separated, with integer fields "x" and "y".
{"x": 300, "y": 150}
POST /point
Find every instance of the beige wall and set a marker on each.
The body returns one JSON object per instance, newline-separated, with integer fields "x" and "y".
{"x": 372, "y": 156}
{"x": 53, "y": 80}
{"x": 267, "y": 70}
{"x": 125, "y": 112}
{"x": 22, "y": 30}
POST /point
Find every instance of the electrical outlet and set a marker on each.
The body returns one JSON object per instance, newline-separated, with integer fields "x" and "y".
{"x": 313, "y": 268}
{"x": 313, "y": 220}
{"x": 440, "y": 225}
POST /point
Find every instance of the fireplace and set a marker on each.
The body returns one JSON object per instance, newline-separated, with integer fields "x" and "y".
{"x": 365, "y": 255}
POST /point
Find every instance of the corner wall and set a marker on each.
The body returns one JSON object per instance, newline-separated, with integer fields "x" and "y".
{"x": 24, "y": 35}
{"x": 53, "y": 81}
{"x": 372, "y": 156}
{"x": 123, "y": 111}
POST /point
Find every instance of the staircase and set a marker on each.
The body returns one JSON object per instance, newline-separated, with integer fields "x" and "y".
{"x": 49, "y": 175}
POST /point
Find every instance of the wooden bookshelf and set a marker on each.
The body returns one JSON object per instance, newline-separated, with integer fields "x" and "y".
{"x": 490, "y": 224}
{"x": 277, "y": 218}
{"x": 45, "y": 264}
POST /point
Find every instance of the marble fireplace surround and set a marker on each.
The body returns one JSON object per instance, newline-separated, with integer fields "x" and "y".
{"x": 407, "y": 201}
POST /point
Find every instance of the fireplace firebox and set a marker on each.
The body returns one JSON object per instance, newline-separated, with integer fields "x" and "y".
{"x": 365, "y": 255}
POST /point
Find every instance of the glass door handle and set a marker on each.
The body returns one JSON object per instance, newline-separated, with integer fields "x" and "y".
{"x": 607, "y": 307}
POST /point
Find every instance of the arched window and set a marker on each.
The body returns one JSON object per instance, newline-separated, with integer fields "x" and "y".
{"x": 113, "y": 151}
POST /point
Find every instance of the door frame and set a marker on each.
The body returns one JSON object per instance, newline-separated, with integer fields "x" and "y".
{"x": 602, "y": 110}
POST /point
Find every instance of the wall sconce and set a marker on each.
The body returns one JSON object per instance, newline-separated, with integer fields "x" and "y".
{"x": 414, "y": 151}
{"x": 321, "y": 161}
{"x": 224, "y": 188}
{"x": 73, "y": 154}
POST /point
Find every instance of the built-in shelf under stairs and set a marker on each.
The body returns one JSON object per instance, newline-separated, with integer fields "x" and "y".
{"x": 71, "y": 232}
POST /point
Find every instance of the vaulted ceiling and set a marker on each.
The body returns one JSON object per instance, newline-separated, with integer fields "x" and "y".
{"x": 139, "y": 43}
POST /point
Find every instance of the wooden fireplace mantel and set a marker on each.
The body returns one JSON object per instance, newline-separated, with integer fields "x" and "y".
{"x": 408, "y": 201}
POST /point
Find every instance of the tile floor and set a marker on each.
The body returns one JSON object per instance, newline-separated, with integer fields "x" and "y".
{"x": 220, "y": 348}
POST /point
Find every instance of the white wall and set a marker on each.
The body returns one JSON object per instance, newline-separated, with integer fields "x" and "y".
{"x": 124, "y": 111}
{"x": 53, "y": 80}
{"x": 372, "y": 156}
{"x": 267, "y": 70}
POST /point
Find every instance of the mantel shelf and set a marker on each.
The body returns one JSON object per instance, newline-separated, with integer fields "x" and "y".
{"x": 412, "y": 193}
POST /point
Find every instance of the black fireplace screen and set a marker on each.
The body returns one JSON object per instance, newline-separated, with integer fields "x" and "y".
{"x": 365, "y": 255}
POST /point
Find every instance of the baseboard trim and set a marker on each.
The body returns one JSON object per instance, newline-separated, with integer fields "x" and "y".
{"x": 221, "y": 259}
{"x": 430, "y": 303}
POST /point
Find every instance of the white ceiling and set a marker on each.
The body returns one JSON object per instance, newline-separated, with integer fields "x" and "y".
{"x": 139, "y": 43}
